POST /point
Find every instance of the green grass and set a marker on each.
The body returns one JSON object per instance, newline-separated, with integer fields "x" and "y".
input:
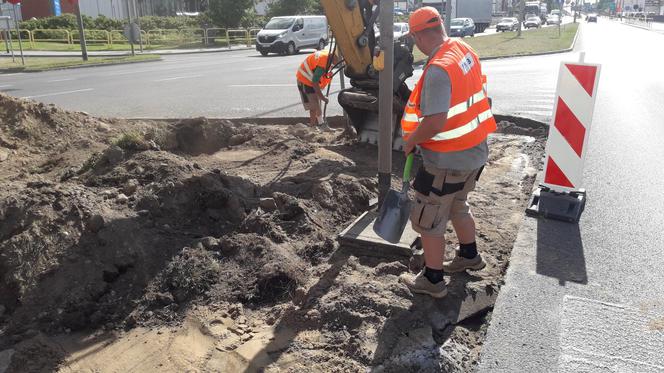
{"x": 50, "y": 63}
{"x": 508, "y": 44}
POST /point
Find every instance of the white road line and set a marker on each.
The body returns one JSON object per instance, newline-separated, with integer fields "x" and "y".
{"x": 258, "y": 68}
{"x": 178, "y": 77}
{"x": 14, "y": 74}
{"x": 60, "y": 93}
{"x": 5, "y": 86}
{"x": 261, "y": 85}
{"x": 59, "y": 80}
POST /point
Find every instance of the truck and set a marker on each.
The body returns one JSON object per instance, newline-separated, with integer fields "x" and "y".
{"x": 537, "y": 8}
{"x": 477, "y": 10}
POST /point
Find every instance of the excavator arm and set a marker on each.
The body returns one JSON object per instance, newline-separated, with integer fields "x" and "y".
{"x": 352, "y": 23}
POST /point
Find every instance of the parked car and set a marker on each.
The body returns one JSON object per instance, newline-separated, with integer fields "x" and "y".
{"x": 533, "y": 21}
{"x": 287, "y": 35}
{"x": 508, "y": 24}
{"x": 462, "y": 27}
{"x": 553, "y": 20}
{"x": 591, "y": 18}
{"x": 401, "y": 31}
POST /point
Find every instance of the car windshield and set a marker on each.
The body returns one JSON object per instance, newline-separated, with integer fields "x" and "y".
{"x": 506, "y": 20}
{"x": 533, "y": 19}
{"x": 457, "y": 22}
{"x": 279, "y": 23}
{"x": 397, "y": 28}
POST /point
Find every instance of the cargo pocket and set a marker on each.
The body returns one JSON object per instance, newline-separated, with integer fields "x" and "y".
{"x": 424, "y": 215}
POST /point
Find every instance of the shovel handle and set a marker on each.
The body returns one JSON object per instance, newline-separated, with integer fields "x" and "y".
{"x": 407, "y": 167}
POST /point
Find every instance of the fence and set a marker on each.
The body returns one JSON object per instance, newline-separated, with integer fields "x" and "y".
{"x": 160, "y": 37}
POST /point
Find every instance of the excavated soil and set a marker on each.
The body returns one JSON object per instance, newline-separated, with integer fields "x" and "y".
{"x": 210, "y": 246}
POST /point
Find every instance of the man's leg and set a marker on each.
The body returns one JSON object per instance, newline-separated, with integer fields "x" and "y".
{"x": 463, "y": 222}
{"x": 314, "y": 106}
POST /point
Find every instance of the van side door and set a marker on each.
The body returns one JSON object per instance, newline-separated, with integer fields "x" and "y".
{"x": 299, "y": 33}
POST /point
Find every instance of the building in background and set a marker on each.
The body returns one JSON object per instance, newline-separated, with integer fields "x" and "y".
{"x": 116, "y": 9}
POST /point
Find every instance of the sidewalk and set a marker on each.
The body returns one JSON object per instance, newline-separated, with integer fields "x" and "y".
{"x": 124, "y": 53}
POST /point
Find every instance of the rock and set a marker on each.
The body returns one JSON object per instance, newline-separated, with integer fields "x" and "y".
{"x": 4, "y": 155}
{"x": 96, "y": 223}
{"x": 113, "y": 155}
{"x": 163, "y": 299}
{"x": 153, "y": 145}
{"x": 130, "y": 187}
{"x": 239, "y": 139}
{"x": 121, "y": 198}
{"x": 268, "y": 204}
{"x": 2, "y": 310}
{"x": 394, "y": 268}
{"x": 103, "y": 127}
{"x": 209, "y": 242}
{"x": 5, "y": 359}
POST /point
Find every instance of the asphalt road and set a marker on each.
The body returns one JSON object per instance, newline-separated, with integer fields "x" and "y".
{"x": 240, "y": 84}
{"x": 588, "y": 297}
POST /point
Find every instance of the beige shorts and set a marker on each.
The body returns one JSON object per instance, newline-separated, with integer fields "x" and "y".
{"x": 440, "y": 196}
{"x": 307, "y": 96}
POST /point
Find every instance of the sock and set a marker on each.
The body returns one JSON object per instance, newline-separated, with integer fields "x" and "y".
{"x": 433, "y": 275}
{"x": 468, "y": 250}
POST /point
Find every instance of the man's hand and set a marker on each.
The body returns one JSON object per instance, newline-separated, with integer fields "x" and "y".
{"x": 409, "y": 147}
{"x": 325, "y": 99}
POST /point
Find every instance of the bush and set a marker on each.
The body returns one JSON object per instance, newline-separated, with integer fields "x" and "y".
{"x": 68, "y": 22}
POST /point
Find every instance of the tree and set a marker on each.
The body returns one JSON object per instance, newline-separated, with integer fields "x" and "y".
{"x": 294, "y": 7}
{"x": 228, "y": 13}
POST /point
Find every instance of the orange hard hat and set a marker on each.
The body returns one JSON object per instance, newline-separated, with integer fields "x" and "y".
{"x": 424, "y": 18}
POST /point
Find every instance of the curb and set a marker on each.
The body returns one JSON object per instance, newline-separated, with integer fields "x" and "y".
{"x": 18, "y": 70}
{"x": 123, "y": 54}
{"x": 571, "y": 48}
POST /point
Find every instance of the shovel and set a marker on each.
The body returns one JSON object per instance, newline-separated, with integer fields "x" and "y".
{"x": 395, "y": 210}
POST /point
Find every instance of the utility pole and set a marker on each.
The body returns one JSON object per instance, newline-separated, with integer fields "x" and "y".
{"x": 138, "y": 22}
{"x": 18, "y": 34}
{"x": 81, "y": 32}
{"x": 385, "y": 98}
{"x": 522, "y": 7}
{"x": 131, "y": 41}
{"x": 448, "y": 16}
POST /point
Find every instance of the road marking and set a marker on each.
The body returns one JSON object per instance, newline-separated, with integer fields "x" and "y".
{"x": 59, "y": 80}
{"x": 60, "y": 93}
{"x": 257, "y": 68}
{"x": 5, "y": 86}
{"x": 178, "y": 77}
{"x": 14, "y": 74}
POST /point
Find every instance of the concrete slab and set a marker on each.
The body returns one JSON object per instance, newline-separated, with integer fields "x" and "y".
{"x": 359, "y": 238}
{"x": 605, "y": 337}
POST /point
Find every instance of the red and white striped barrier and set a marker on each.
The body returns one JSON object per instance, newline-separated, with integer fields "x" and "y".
{"x": 570, "y": 129}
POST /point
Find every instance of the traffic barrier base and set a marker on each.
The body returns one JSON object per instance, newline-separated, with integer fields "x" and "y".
{"x": 551, "y": 204}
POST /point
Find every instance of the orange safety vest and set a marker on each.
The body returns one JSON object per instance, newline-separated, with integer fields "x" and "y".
{"x": 305, "y": 74}
{"x": 469, "y": 118}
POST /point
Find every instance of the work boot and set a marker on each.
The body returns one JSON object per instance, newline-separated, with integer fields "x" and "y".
{"x": 459, "y": 263}
{"x": 421, "y": 285}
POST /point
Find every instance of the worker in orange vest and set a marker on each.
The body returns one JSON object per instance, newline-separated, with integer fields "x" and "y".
{"x": 312, "y": 78}
{"x": 448, "y": 117}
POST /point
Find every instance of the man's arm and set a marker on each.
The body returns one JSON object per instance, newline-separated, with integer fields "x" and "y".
{"x": 318, "y": 73}
{"x": 428, "y": 128}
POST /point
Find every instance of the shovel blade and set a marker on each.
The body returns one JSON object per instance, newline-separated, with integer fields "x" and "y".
{"x": 392, "y": 216}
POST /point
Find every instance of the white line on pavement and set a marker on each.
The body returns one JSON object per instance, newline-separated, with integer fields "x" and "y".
{"x": 260, "y": 85}
{"x": 59, "y": 80}
{"x": 60, "y": 93}
{"x": 178, "y": 77}
{"x": 5, "y": 86}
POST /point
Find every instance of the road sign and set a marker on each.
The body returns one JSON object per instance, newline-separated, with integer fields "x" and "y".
{"x": 133, "y": 33}
{"x": 560, "y": 196}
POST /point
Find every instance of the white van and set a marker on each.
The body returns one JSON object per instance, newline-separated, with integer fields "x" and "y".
{"x": 287, "y": 35}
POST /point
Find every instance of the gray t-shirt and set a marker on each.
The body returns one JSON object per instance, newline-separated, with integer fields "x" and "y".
{"x": 436, "y": 96}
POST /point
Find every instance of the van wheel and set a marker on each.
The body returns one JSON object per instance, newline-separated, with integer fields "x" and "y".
{"x": 321, "y": 45}
{"x": 263, "y": 53}
{"x": 291, "y": 49}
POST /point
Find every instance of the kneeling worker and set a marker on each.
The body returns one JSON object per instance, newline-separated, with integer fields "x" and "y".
{"x": 449, "y": 117}
{"x": 312, "y": 78}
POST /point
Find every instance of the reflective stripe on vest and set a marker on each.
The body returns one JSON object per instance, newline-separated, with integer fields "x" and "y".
{"x": 469, "y": 119}
{"x": 305, "y": 73}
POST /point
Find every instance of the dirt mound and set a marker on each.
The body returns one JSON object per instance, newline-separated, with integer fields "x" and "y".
{"x": 214, "y": 242}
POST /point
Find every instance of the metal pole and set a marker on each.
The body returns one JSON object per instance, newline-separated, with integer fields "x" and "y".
{"x": 9, "y": 37}
{"x": 448, "y": 15}
{"x": 385, "y": 97}
{"x": 4, "y": 36}
{"x": 81, "y": 33}
{"x": 131, "y": 42}
{"x": 138, "y": 22}
{"x": 18, "y": 34}
{"x": 522, "y": 6}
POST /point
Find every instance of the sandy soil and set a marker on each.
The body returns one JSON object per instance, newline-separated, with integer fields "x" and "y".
{"x": 210, "y": 246}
